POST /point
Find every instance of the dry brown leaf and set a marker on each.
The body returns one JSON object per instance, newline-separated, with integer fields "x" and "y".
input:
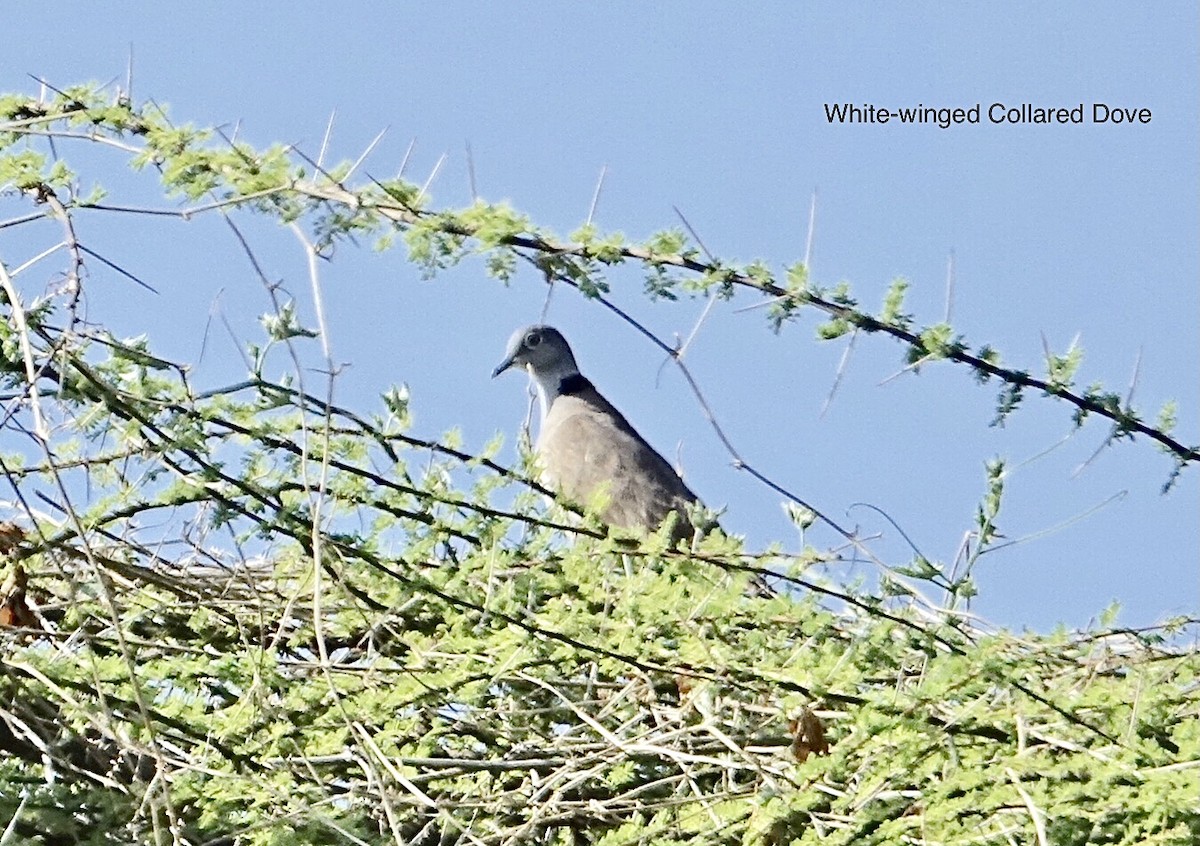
{"x": 808, "y": 736}
{"x": 14, "y": 609}
{"x": 11, "y": 536}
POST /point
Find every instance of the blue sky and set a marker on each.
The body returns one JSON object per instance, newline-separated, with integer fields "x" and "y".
{"x": 1057, "y": 231}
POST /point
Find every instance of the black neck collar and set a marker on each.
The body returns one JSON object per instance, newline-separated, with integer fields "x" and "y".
{"x": 573, "y": 384}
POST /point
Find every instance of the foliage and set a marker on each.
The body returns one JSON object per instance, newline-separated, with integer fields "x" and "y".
{"x": 266, "y": 619}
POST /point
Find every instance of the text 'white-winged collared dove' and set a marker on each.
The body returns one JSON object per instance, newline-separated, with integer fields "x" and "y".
{"x": 585, "y": 445}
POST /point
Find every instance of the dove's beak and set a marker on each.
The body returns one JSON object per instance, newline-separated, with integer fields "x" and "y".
{"x": 504, "y": 365}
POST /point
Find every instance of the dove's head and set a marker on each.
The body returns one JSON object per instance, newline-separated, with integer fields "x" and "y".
{"x": 542, "y": 350}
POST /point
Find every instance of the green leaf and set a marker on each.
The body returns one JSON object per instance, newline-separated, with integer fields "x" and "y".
{"x": 284, "y": 324}
{"x": 893, "y": 304}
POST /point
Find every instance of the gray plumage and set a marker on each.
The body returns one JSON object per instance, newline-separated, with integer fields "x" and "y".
{"x": 585, "y": 444}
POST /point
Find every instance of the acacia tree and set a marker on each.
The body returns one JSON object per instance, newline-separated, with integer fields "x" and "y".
{"x": 241, "y": 613}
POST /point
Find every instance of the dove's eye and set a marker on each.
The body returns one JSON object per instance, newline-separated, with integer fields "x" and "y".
{"x": 533, "y": 339}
